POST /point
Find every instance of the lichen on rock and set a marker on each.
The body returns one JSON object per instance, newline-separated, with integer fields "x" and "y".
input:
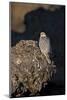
{"x": 29, "y": 68}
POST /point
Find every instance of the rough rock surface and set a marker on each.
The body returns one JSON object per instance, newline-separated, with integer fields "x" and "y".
{"x": 29, "y": 69}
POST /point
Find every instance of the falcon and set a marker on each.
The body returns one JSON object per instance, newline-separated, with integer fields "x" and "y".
{"x": 44, "y": 45}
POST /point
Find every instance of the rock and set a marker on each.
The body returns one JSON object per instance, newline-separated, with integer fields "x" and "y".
{"x": 29, "y": 68}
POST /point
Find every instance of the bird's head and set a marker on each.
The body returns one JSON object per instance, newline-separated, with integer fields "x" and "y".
{"x": 42, "y": 34}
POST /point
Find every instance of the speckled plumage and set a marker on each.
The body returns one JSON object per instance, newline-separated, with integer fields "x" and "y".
{"x": 44, "y": 44}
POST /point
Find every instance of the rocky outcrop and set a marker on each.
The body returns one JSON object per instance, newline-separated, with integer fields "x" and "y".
{"x": 29, "y": 69}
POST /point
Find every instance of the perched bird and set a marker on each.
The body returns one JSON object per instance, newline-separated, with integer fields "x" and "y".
{"x": 44, "y": 45}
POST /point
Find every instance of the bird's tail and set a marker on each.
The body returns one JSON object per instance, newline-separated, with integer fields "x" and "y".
{"x": 48, "y": 59}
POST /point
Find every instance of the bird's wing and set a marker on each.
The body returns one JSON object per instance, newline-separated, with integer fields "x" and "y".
{"x": 44, "y": 44}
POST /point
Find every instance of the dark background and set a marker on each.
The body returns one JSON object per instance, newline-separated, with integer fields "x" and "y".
{"x": 53, "y": 23}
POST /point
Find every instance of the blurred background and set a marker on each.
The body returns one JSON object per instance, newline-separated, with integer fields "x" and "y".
{"x": 27, "y": 21}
